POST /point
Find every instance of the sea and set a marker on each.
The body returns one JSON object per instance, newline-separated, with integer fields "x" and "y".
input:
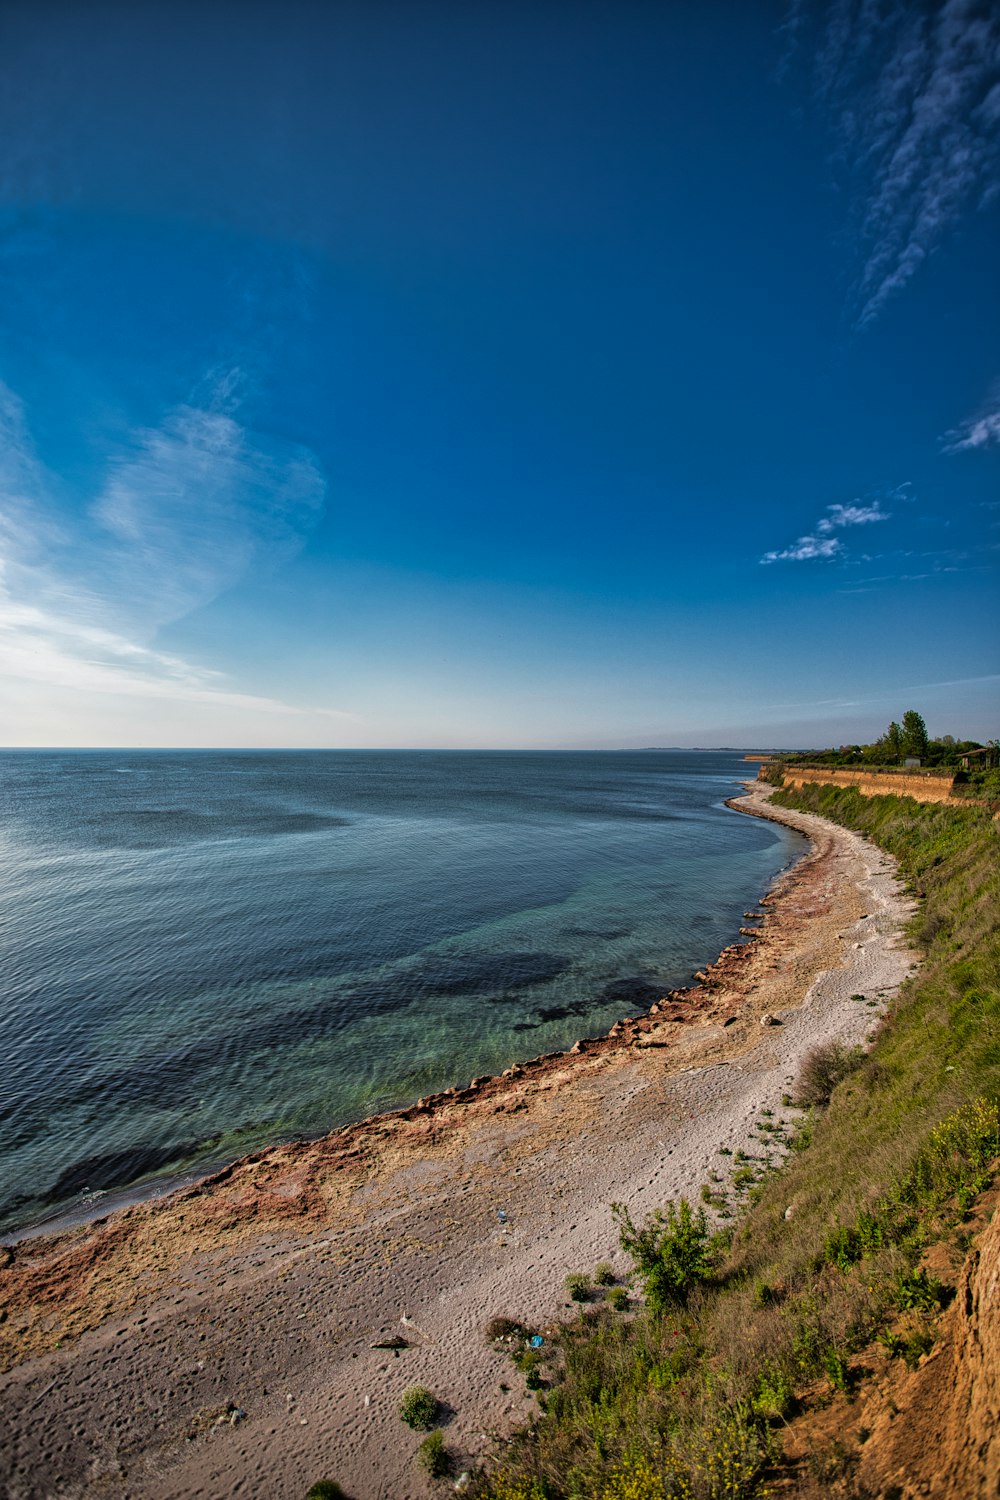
{"x": 202, "y": 953}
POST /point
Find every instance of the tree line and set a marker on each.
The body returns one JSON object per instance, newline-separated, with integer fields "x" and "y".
{"x": 902, "y": 741}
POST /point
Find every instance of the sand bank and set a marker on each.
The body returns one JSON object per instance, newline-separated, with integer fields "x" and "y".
{"x": 270, "y": 1285}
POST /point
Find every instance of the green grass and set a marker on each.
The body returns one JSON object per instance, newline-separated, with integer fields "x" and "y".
{"x": 684, "y": 1400}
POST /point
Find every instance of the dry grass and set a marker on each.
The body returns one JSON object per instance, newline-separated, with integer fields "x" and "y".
{"x": 822, "y": 1069}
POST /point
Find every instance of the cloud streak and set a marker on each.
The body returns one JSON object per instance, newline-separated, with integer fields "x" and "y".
{"x": 913, "y": 96}
{"x": 822, "y": 543}
{"x": 979, "y": 431}
{"x": 187, "y": 510}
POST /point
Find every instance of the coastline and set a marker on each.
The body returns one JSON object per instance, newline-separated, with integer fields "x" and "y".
{"x": 93, "y": 1209}
{"x": 427, "y": 1220}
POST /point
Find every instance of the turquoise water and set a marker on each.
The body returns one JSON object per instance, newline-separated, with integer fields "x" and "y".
{"x": 203, "y": 952}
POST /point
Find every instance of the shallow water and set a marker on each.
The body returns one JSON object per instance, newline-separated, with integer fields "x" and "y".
{"x": 203, "y": 952}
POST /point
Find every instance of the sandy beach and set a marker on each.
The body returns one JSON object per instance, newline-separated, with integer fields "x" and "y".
{"x": 270, "y": 1286}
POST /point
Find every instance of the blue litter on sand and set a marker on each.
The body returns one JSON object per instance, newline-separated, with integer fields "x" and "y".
{"x": 536, "y": 1341}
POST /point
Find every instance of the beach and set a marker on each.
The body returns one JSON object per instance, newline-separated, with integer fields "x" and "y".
{"x": 132, "y": 1345}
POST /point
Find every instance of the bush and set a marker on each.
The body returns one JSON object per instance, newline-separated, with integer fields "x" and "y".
{"x": 604, "y": 1274}
{"x": 578, "y": 1286}
{"x": 773, "y": 1396}
{"x": 822, "y": 1069}
{"x": 432, "y": 1455}
{"x": 618, "y": 1298}
{"x": 418, "y": 1408}
{"x": 326, "y": 1489}
{"x": 671, "y": 1252}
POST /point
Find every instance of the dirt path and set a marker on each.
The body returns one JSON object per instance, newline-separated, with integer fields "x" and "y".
{"x": 270, "y": 1285}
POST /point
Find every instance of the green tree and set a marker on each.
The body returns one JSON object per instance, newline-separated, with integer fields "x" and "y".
{"x": 893, "y": 742}
{"x": 914, "y": 734}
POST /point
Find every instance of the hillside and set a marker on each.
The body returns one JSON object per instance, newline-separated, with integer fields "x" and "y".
{"x": 780, "y": 1353}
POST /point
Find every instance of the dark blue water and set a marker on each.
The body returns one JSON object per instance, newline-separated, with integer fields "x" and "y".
{"x": 202, "y": 952}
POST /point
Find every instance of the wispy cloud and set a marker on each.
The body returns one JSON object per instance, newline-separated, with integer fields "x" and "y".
{"x": 196, "y": 504}
{"x": 851, "y": 515}
{"x": 187, "y": 509}
{"x": 805, "y": 548}
{"x": 822, "y": 543}
{"x": 914, "y": 101}
{"x": 979, "y": 431}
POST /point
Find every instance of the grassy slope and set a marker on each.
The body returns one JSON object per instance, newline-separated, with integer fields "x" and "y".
{"x": 687, "y": 1404}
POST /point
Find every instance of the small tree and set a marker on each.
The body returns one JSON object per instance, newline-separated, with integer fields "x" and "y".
{"x": 893, "y": 742}
{"x": 914, "y": 734}
{"x": 670, "y": 1252}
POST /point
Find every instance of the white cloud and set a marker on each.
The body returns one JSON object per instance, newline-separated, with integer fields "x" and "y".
{"x": 980, "y": 431}
{"x": 188, "y": 509}
{"x": 851, "y": 515}
{"x": 805, "y": 548}
{"x": 823, "y": 544}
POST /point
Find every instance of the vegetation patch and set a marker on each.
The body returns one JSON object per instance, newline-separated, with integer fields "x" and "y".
{"x": 822, "y": 1069}
{"x": 686, "y": 1397}
{"x": 419, "y": 1408}
{"x": 432, "y": 1455}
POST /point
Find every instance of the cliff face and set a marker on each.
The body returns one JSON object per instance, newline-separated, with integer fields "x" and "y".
{"x": 940, "y": 1434}
{"x": 877, "y": 783}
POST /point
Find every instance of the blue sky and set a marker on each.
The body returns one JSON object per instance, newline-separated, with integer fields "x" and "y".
{"x": 524, "y": 374}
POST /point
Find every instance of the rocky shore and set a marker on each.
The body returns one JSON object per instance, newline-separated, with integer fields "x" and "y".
{"x": 253, "y": 1332}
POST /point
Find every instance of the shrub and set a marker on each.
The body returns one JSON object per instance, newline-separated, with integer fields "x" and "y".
{"x": 773, "y": 1395}
{"x": 822, "y": 1069}
{"x": 911, "y": 1348}
{"x": 326, "y": 1489}
{"x": 527, "y": 1359}
{"x": 671, "y": 1251}
{"x": 604, "y": 1274}
{"x": 618, "y": 1298}
{"x": 419, "y": 1407}
{"x": 837, "y": 1370}
{"x": 432, "y": 1455}
{"x": 918, "y": 1291}
{"x": 578, "y": 1286}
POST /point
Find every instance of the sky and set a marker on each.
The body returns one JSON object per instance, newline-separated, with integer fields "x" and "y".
{"x": 521, "y": 374}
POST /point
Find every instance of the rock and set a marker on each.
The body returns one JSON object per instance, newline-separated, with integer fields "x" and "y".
{"x": 768, "y": 1020}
